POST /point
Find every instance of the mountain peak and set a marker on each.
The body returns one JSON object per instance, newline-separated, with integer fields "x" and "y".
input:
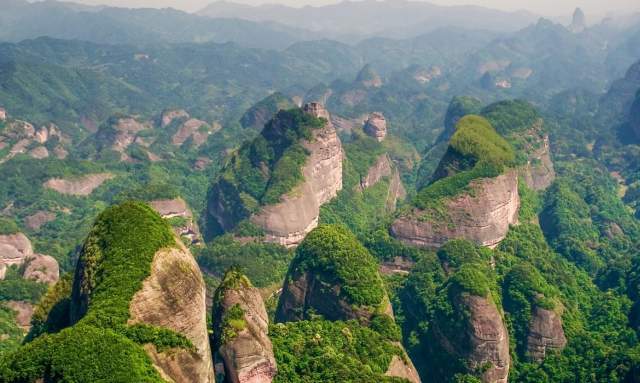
{"x": 579, "y": 22}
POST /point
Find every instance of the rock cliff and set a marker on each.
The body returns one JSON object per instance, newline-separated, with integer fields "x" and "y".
{"x": 482, "y": 215}
{"x": 484, "y": 340}
{"x": 241, "y": 332}
{"x": 135, "y": 277}
{"x": 81, "y": 186}
{"x": 376, "y": 126}
{"x": 334, "y": 276}
{"x": 296, "y": 212}
{"x": 16, "y": 250}
{"x": 539, "y": 171}
{"x": 173, "y": 297}
{"x": 545, "y": 334}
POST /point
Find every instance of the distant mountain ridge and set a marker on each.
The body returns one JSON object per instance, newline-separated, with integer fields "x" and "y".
{"x": 397, "y": 18}
{"x": 20, "y": 20}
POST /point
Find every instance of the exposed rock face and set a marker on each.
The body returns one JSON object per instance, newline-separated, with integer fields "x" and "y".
{"x": 482, "y": 216}
{"x": 539, "y": 172}
{"x": 42, "y": 268}
{"x": 403, "y": 368}
{"x": 486, "y": 339}
{"x": 173, "y": 297}
{"x": 380, "y": 169}
{"x": 126, "y": 130}
{"x": 39, "y": 153}
{"x": 35, "y": 221}
{"x": 579, "y": 22}
{"x": 14, "y": 249}
{"x": 3, "y": 114}
{"x": 383, "y": 167}
{"x": 60, "y": 152}
{"x": 376, "y": 126}
{"x": 196, "y": 130}
{"x": 24, "y": 313}
{"x": 545, "y": 334}
{"x": 170, "y": 208}
{"x": 248, "y": 356}
{"x": 82, "y": 186}
{"x": 308, "y": 291}
{"x": 289, "y": 221}
{"x": 169, "y": 115}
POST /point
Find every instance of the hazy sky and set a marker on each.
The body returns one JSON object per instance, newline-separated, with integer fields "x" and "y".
{"x": 543, "y": 7}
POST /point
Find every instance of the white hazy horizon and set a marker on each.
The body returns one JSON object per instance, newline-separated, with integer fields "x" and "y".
{"x": 552, "y": 8}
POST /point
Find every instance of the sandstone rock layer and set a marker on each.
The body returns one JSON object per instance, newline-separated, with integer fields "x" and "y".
{"x": 482, "y": 216}
{"x": 173, "y": 297}
{"x": 248, "y": 357}
{"x": 545, "y": 334}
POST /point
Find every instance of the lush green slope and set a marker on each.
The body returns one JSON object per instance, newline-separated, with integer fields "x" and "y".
{"x": 115, "y": 260}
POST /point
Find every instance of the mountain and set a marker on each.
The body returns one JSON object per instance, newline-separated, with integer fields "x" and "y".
{"x": 22, "y": 20}
{"x": 399, "y": 18}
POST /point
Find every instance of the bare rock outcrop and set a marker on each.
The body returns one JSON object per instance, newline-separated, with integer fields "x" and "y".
{"x": 169, "y": 115}
{"x": 14, "y": 249}
{"x": 402, "y": 367}
{"x": 376, "y": 126}
{"x": 241, "y": 332}
{"x": 289, "y": 221}
{"x": 42, "y": 268}
{"x": 485, "y": 341}
{"x": 545, "y": 334}
{"x": 482, "y": 215}
{"x": 3, "y": 114}
{"x": 39, "y": 153}
{"x": 173, "y": 297}
{"x": 36, "y": 220}
{"x": 384, "y": 168}
{"x": 24, "y": 313}
{"x": 125, "y": 132}
{"x": 196, "y": 130}
{"x": 81, "y": 186}
{"x": 539, "y": 171}
{"x": 177, "y": 207}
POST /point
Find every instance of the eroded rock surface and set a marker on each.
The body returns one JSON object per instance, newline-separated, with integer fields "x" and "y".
{"x": 289, "y": 221}
{"x": 376, "y": 126}
{"x": 169, "y": 115}
{"x": 486, "y": 340}
{"x": 42, "y": 268}
{"x": 247, "y": 354}
{"x": 173, "y": 297}
{"x": 482, "y": 216}
{"x": 24, "y": 313}
{"x": 14, "y": 249}
{"x": 403, "y": 368}
{"x": 380, "y": 169}
{"x": 39, "y": 153}
{"x": 196, "y": 130}
{"x": 36, "y": 220}
{"x": 545, "y": 334}
{"x": 81, "y": 186}
{"x": 539, "y": 171}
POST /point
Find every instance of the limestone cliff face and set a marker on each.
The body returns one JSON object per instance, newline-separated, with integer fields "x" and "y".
{"x": 289, "y": 221}
{"x": 248, "y": 353}
{"x": 173, "y": 297}
{"x": 485, "y": 341}
{"x": 539, "y": 171}
{"x": 482, "y": 216}
{"x": 545, "y": 334}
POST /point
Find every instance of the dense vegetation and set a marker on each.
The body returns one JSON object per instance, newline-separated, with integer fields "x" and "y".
{"x": 324, "y": 351}
{"x": 335, "y": 256}
{"x": 115, "y": 260}
{"x": 475, "y": 151}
